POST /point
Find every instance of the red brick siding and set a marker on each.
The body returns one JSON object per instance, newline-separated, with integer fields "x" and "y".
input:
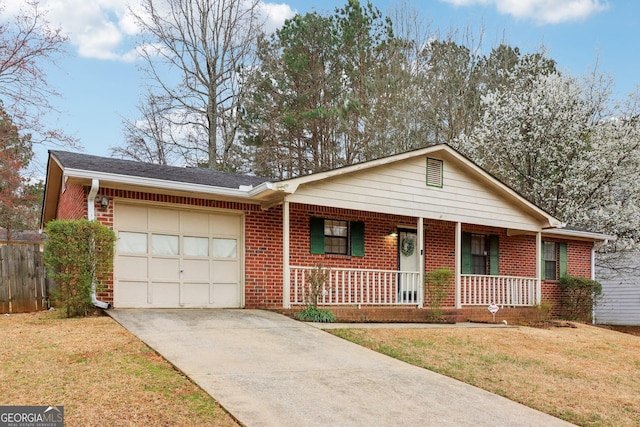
{"x": 263, "y": 258}
{"x": 517, "y": 254}
{"x": 578, "y": 264}
{"x": 579, "y": 259}
{"x": 72, "y": 202}
{"x": 263, "y": 243}
{"x": 380, "y": 249}
{"x": 104, "y": 214}
{"x": 440, "y": 241}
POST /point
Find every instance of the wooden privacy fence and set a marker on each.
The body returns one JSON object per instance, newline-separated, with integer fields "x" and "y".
{"x": 23, "y": 287}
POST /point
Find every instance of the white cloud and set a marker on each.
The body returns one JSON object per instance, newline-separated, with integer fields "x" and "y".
{"x": 104, "y": 29}
{"x": 275, "y": 15}
{"x": 96, "y": 28}
{"x": 541, "y": 11}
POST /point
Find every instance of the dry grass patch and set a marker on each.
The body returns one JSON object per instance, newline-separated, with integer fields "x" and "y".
{"x": 585, "y": 375}
{"x": 101, "y": 373}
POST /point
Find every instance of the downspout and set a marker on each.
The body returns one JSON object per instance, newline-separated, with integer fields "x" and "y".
{"x": 91, "y": 216}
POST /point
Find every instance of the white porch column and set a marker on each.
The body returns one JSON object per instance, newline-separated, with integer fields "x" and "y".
{"x": 286, "y": 270}
{"x": 458, "y": 268}
{"x": 420, "y": 238}
{"x": 538, "y": 298}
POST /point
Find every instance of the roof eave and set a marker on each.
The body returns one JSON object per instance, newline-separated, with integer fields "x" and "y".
{"x": 157, "y": 183}
{"x": 51, "y": 191}
{"x": 580, "y": 235}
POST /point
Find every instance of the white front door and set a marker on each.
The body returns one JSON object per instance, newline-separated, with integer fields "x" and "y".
{"x": 409, "y": 261}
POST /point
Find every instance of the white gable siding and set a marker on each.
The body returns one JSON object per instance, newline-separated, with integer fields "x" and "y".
{"x": 620, "y": 303}
{"x": 400, "y": 188}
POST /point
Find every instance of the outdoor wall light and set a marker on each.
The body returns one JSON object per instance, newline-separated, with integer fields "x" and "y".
{"x": 393, "y": 233}
{"x": 104, "y": 202}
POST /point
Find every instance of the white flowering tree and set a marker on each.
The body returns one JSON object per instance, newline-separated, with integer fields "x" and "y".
{"x": 564, "y": 144}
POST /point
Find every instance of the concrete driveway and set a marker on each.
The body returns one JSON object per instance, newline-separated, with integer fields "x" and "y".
{"x": 269, "y": 370}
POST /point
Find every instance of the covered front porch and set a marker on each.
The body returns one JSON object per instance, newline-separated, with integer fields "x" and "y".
{"x": 376, "y": 230}
{"x": 391, "y": 273}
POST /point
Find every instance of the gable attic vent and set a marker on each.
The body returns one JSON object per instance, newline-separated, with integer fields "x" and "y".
{"x": 434, "y": 172}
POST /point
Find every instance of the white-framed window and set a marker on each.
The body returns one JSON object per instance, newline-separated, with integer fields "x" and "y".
{"x": 195, "y": 246}
{"x": 225, "y": 248}
{"x": 336, "y": 236}
{"x": 478, "y": 254}
{"x": 132, "y": 243}
{"x": 550, "y": 261}
{"x": 165, "y": 244}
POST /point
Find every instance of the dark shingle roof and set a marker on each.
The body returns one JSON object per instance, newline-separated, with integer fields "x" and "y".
{"x": 148, "y": 170}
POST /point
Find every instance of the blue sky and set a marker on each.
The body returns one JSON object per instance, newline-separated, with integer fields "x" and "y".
{"x": 100, "y": 82}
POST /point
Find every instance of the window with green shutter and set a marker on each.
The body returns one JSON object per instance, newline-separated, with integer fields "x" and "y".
{"x": 494, "y": 255}
{"x": 316, "y": 234}
{"x": 476, "y": 259}
{"x": 562, "y": 259}
{"x": 466, "y": 254}
{"x": 357, "y": 238}
{"x": 333, "y": 236}
{"x": 554, "y": 258}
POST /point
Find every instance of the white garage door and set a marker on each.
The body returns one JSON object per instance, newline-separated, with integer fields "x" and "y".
{"x": 174, "y": 258}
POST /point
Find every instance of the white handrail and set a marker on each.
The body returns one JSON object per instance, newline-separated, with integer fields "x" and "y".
{"x": 347, "y": 286}
{"x": 500, "y": 290}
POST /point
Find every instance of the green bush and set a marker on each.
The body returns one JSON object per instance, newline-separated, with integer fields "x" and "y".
{"x": 77, "y": 254}
{"x": 315, "y": 314}
{"x": 579, "y": 296}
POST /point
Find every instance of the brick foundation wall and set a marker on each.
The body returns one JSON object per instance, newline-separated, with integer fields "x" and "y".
{"x": 519, "y": 315}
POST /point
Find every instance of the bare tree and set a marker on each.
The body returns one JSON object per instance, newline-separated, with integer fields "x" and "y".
{"x": 148, "y": 139}
{"x": 208, "y": 44}
{"x": 27, "y": 43}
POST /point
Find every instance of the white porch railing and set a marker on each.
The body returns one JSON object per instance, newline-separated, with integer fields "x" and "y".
{"x": 500, "y": 290}
{"x": 345, "y": 286}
